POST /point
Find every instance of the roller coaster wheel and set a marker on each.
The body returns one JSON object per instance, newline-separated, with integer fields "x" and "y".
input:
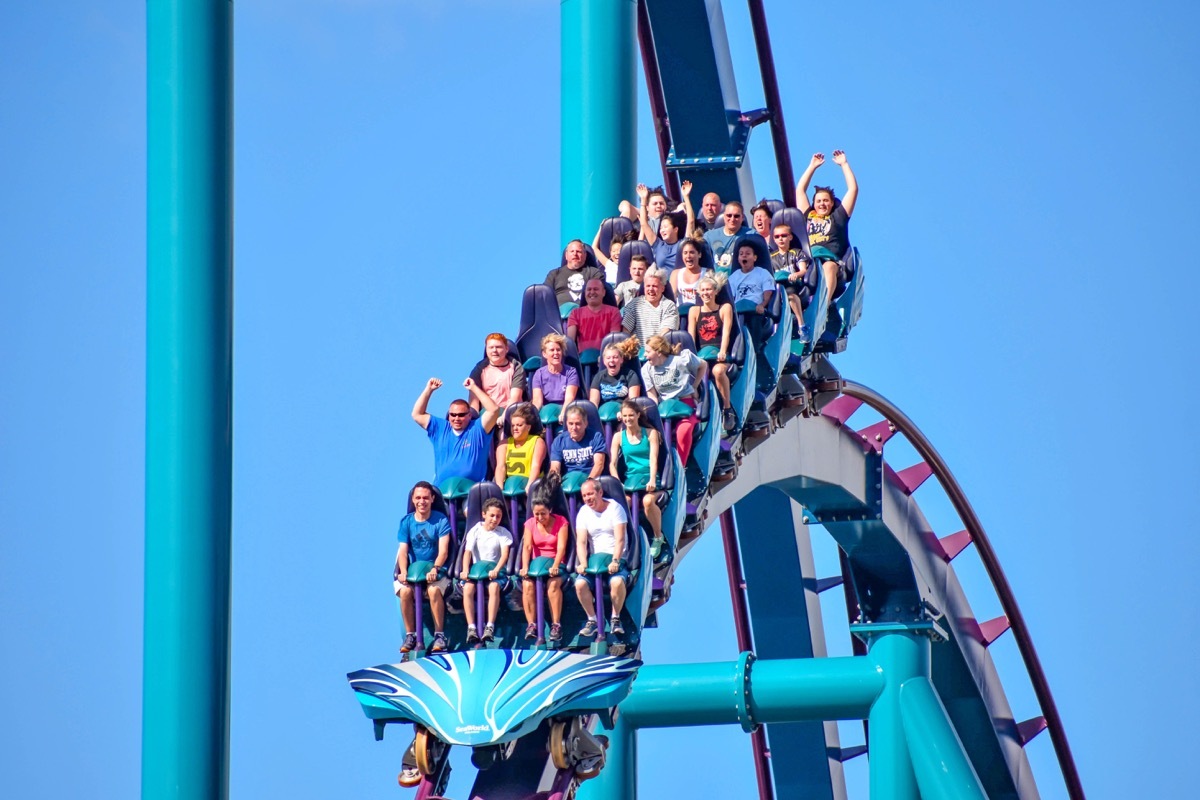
{"x": 428, "y": 749}
{"x": 558, "y": 744}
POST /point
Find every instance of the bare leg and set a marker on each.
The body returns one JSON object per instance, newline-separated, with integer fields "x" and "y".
{"x": 554, "y": 594}
{"x": 437, "y": 604}
{"x": 616, "y": 590}
{"x": 529, "y": 599}
{"x": 720, "y": 373}
{"x": 584, "y": 592}
{"x": 468, "y": 591}
{"x": 493, "y": 601}
{"x": 653, "y": 513}
{"x": 407, "y": 609}
{"x": 830, "y": 270}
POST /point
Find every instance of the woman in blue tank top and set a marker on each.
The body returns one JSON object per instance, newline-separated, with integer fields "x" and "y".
{"x": 638, "y": 444}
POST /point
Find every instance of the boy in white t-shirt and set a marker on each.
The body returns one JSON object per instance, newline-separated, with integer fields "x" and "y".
{"x": 486, "y": 541}
{"x": 752, "y": 282}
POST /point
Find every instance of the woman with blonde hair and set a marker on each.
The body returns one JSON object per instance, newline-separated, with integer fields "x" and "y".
{"x": 672, "y": 373}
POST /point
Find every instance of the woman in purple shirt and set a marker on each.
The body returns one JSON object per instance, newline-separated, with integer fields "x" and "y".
{"x": 554, "y": 381}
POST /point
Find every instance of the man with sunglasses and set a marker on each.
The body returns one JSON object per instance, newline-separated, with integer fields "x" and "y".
{"x": 719, "y": 239}
{"x": 460, "y": 444}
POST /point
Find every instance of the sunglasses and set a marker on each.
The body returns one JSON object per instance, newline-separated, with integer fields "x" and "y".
{"x": 460, "y": 414}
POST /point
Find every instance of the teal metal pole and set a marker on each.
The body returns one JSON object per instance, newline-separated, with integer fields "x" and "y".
{"x": 185, "y": 689}
{"x": 943, "y": 770}
{"x": 599, "y": 112}
{"x": 901, "y": 654}
{"x": 618, "y": 779}
{"x": 752, "y": 693}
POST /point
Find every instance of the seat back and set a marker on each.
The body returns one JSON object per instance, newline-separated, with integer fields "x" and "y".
{"x": 485, "y": 490}
{"x": 629, "y": 251}
{"x": 762, "y": 255}
{"x": 613, "y": 490}
{"x": 439, "y": 502}
{"x": 614, "y": 228}
{"x": 794, "y": 218}
{"x": 539, "y": 316}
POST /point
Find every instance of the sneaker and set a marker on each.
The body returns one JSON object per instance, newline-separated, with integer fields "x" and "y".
{"x": 555, "y": 632}
{"x": 489, "y": 632}
{"x": 805, "y": 334}
{"x": 615, "y": 627}
{"x": 409, "y": 776}
{"x": 410, "y": 643}
{"x": 588, "y": 630}
{"x": 472, "y": 636}
{"x": 531, "y": 631}
{"x": 656, "y": 547}
{"x": 439, "y": 643}
{"x": 729, "y": 419}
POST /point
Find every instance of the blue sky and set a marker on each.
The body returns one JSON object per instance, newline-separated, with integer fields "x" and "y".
{"x": 1026, "y": 176}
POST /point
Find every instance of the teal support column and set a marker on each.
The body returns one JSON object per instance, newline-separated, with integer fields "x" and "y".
{"x": 599, "y": 112}
{"x": 902, "y": 652}
{"x": 185, "y": 694}
{"x": 618, "y": 779}
{"x": 750, "y": 693}
{"x": 943, "y": 770}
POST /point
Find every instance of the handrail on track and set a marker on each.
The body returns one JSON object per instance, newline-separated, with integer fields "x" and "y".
{"x": 1008, "y": 600}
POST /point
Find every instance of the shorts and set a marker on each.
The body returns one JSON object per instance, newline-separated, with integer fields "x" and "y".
{"x": 504, "y": 582}
{"x": 622, "y": 573}
{"x": 442, "y": 583}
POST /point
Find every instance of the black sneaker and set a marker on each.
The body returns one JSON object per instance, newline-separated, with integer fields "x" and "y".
{"x": 489, "y": 632}
{"x": 410, "y": 643}
{"x": 615, "y": 627}
{"x": 729, "y": 419}
{"x": 439, "y": 643}
{"x": 472, "y": 636}
{"x": 589, "y": 630}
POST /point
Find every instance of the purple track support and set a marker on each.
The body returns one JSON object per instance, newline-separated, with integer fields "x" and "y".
{"x": 540, "y": 594}
{"x": 600, "y": 608}
{"x": 766, "y": 66}
{"x": 513, "y": 507}
{"x": 912, "y": 477}
{"x": 954, "y": 544}
{"x": 418, "y": 601}
{"x": 741, "y": 624}
{"x": 481, "y": 588}
{"x": 842, "y": 408}
{"x": 635, "y": 515}
{"x": 658, "y": 101}
{"x": 877, "y": 435}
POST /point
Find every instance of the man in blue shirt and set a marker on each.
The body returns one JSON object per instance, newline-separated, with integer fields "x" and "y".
{"x": 461, "y": 445}
{"x": 424, "y": 535}
{"x": 577, "y": 448}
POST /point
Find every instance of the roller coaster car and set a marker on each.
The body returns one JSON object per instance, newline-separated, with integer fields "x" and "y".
{"x": 846, "y": 309}
{"x": 488, "y": 699}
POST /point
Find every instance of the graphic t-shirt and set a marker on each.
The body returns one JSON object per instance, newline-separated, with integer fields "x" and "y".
{"x": 751, "y": 285}
{"x": 577, "y": 456}
{"x": 615, "y": 387}
{"x": 674, "y": 378}
{"x": 422, "y": 536}
{"x": 832, "y": 232}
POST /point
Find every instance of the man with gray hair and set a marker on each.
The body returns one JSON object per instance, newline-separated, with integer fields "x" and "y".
{"x": 652, "y": 314}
